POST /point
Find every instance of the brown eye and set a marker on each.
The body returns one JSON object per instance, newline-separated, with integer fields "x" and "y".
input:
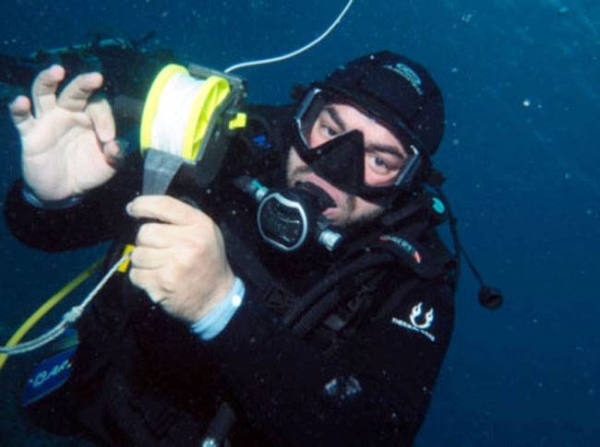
{"x": 328, "y": 131}
{"x": 378, "y": 164}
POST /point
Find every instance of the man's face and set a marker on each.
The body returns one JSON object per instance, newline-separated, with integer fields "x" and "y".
{"x": 384, "y": 158}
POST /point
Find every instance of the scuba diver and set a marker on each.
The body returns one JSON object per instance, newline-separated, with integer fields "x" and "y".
{"x": 304, "y": 297}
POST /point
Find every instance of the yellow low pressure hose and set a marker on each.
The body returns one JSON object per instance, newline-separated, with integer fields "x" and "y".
{"x": 47, "y": 306}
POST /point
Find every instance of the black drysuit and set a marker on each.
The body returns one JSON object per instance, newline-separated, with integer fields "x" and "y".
{"x": 338, "y": 348}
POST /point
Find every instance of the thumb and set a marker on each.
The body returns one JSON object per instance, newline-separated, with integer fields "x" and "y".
{"x": 20, "y": 112}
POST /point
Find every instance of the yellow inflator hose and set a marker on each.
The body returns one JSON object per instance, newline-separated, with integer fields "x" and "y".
{"x": 47, "y": 306}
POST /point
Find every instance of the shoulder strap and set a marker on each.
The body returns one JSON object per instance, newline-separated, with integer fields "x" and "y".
{"x": 372, "y": 263}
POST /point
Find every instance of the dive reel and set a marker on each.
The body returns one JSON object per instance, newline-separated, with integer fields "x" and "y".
{"x": 188, "y": 118}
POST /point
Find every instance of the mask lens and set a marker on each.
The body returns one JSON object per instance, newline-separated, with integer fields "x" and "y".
{"x": 311, "y": 110}
{"x": 319, "y": 127}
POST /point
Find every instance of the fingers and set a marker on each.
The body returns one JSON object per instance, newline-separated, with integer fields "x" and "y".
{"x": 44, "y": 88}
{"x": 147, "y": 281}
{"x": 149, "y": 258}
{"x": 76, "y": 95}
{"x": 154, "y": 235}
{"x": 165, "y": 209}
{"x": 103, "y": 120}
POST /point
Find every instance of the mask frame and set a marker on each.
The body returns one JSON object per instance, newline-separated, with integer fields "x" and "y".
{"x": 341, "y": 159}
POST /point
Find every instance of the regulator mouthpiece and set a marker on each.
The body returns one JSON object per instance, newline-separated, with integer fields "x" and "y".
{"x": 289, "y": 218}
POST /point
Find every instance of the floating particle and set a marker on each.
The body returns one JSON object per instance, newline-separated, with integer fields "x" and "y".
{"x": 466, "y": 18}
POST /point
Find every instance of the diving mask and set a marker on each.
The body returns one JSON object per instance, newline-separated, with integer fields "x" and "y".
{"x": 339, "y": 154}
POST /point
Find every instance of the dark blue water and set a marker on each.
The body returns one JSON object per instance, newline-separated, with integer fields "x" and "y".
{"x": 521, "y": 81}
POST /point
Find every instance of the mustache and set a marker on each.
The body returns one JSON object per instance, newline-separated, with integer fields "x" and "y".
{"x": 349, "y": 200}
{"x": 302, "y": 170}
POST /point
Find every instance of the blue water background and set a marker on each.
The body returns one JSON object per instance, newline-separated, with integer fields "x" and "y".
{"x": 521, "y": 153}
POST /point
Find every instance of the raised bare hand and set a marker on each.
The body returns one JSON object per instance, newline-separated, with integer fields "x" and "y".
{"x": 68, "y": 140}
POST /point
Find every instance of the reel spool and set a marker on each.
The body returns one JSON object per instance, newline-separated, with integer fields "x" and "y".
{"x": 190, "y": 114}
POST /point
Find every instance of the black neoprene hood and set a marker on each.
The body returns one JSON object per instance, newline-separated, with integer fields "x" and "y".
{"x": 397, "y": 90}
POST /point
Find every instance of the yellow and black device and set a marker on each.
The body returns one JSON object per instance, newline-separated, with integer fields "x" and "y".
{"x": 188, "y": 119}
{"x": 189, "y": 116}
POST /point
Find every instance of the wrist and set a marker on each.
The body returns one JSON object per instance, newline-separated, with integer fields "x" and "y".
{"x": 212, "y": 323}
{"x": 31, "y": 198}
{"x": 217, "y": 295}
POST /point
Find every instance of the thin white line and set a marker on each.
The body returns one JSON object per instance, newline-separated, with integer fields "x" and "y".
{"x": 296, "y": 52}
{"x": 408, "y": 326}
